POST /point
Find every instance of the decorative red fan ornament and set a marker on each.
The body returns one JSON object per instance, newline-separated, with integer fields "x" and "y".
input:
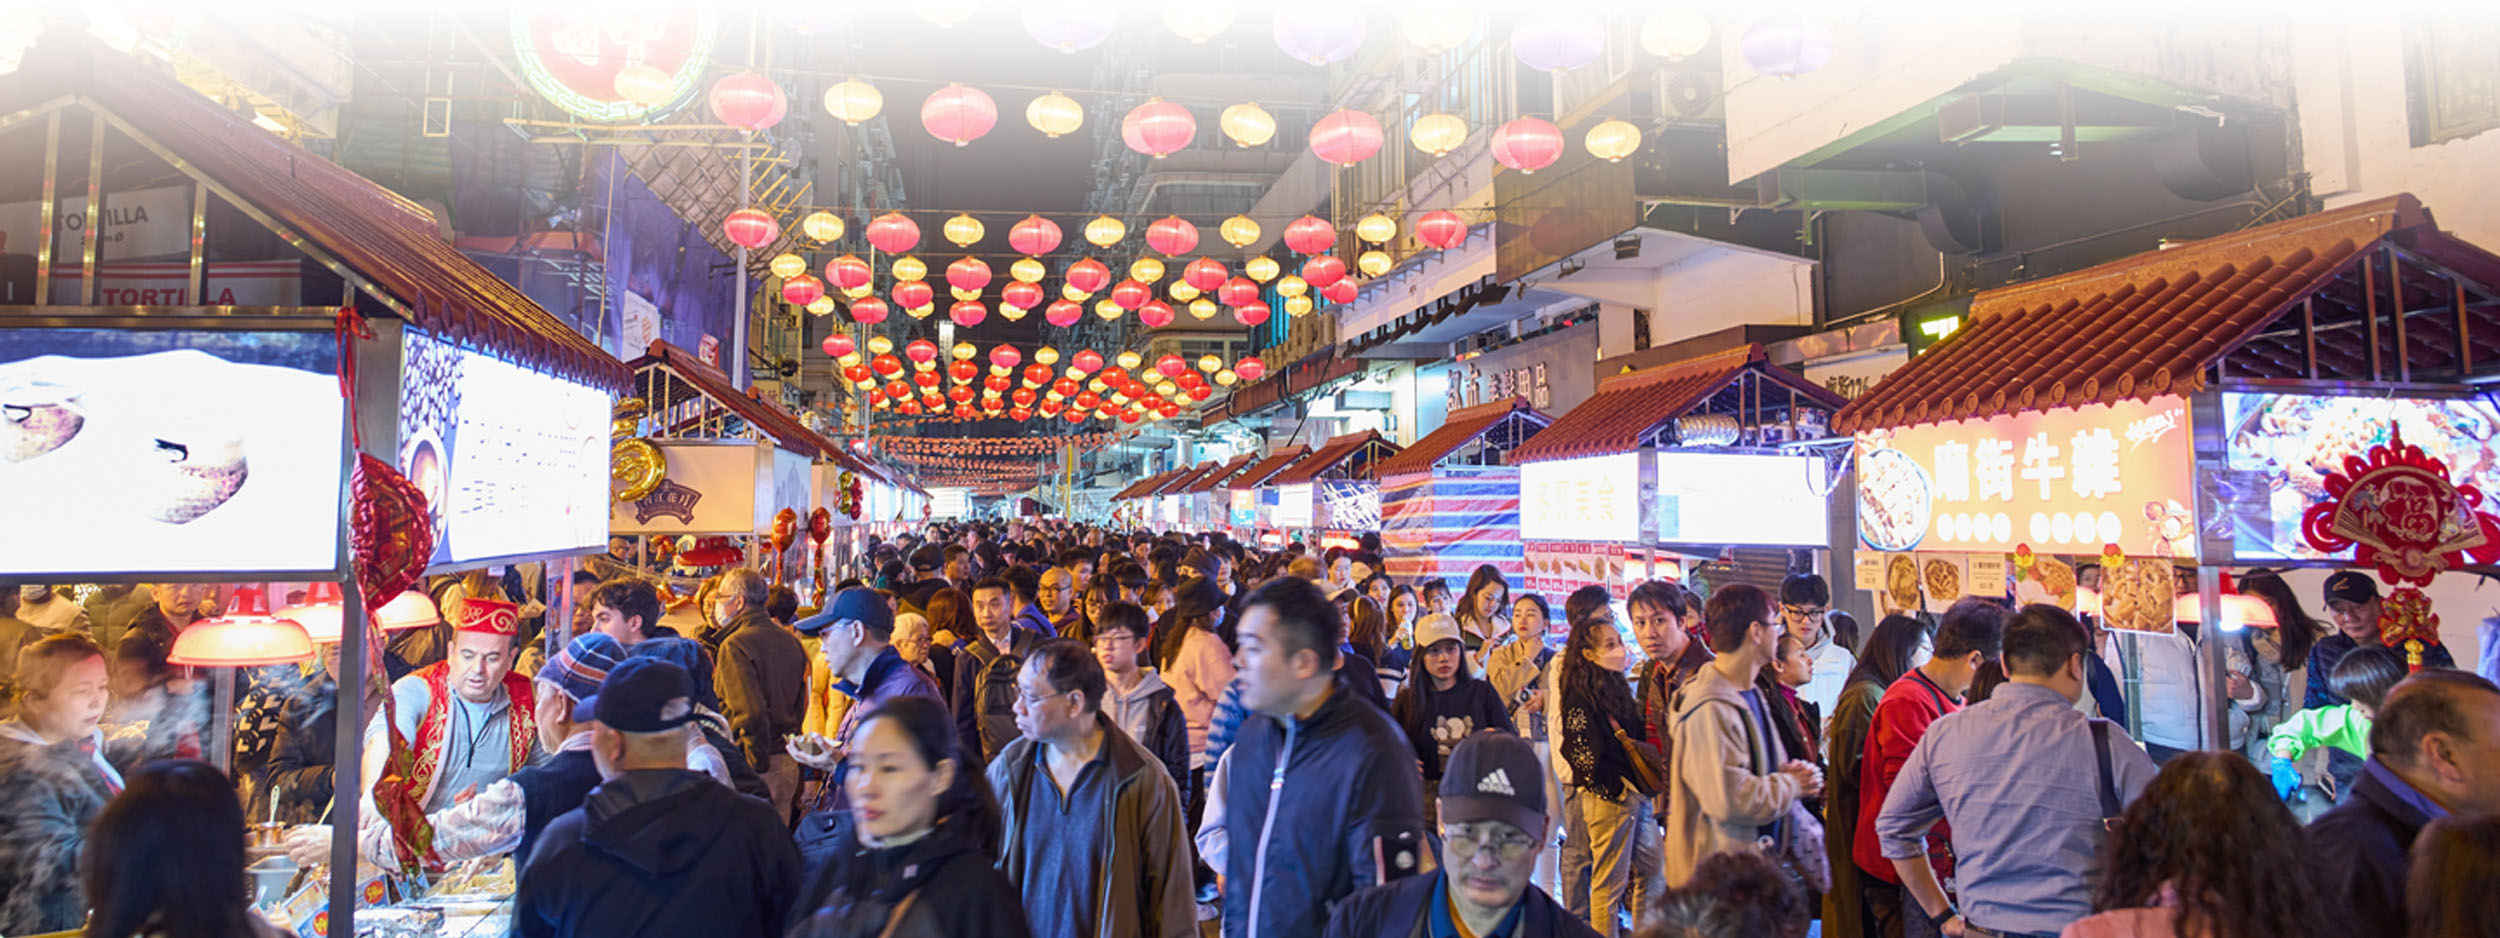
{"x": 2398, "y": 511}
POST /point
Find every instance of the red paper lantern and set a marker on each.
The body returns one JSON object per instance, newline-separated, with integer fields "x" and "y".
{"x": 1024, "y": 397}
{"x": 1200, "y": 393}
{"x": 1205, "y": 273}
{"x": 961, "y": 394}
{"x": 967, "y": 313}
{"x": 1341, "y": 291}
{"x": 1310, "y": 235}
{"x": 1066, "y": 387}
{"x": 1005, "y": 356}
{"x": 1037, "y": 375}
{"x": 908, "y": 408}
{"x": 887, "y": 365}
{"x": 1172, "y": 235}
{"x": 996, "y": 384}
{"x": 958, "y": 114}
{"x": 1155, "y": 314}
{"x": 1346, "y": 137}
{"x": 921, "y": 351}
{"x": 748, "y": 101}
{"x": 802, "y": 290}
{"x": 1063, "y": 313}
{"x": 1020, "y": 413}
{"x": 1086, "y": 361}
{"x": 962, "y": 371}
{"x": 926, "y": 379}
{"x": 1129, "y": 416}
{"x": 898, "y": 390}
{"x": 1020, "y": 294}
{"x": 1322, "y": 270}
{"x": 750, "y": 229}
{"x": 1250, "y": 314}
{"x": 1527, "y": 144}
{"x": 1088, "y": 275}
{"x": 1239, "y": 291}
{"x": 868, "y": 311}
{"x": 839, "y": 344}
{"x": 1169, "y": 410}
{"x": 1131, "y": 294}
{"x": 969, "y": 273}
{"x": 1250, "y": 368}
{"x": 1441, "y": 228}
{"x": 913, "y": 294}
{"x": 848, "y": 272}
{"x": 1034, "y": 235}
{"x": 1158, "y": 128}
{"x": 893, "y": 233}
{"x": 1171, "y": 366}
{"x": 857, "y": 374}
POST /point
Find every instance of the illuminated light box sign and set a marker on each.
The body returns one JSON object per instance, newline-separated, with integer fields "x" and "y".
{"x": 1349, "y": 504}
{"x": 2065, "y": 481}
{"x": 512, "y": 462}
{"x": 712, "y": 488}
{"x": 2281, "y": 447}
{"x": 1245, "y": 507}
{"x": 571, "y": 54}
{"x": 1171, "y": 508}
{"x": 169, "y": 452}
{"x": 1592, "y": 499}
{"x": 1741, "y": 498}
{"x": 1294, "y": 505}
{"x": 950, "y": 502}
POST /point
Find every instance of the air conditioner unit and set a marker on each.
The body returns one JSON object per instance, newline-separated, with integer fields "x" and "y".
{"x": 1689, "y": 91}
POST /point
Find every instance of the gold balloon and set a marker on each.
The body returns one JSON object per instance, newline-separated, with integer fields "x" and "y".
{"x": 1203, "y": 308}
{"x": 1293, "y": 285}
{"x": 1182, "y": 292}
{"x": 1247, "y": 124}
{"x": 908, "y": 267}
{"x": 1297, "y": 305}
{"x": 786, "y": 266}
{"x": 963, "y": 230}
{"x": 1376, "y": 228}
{"x": 1373, "y": 263}
{"x": 1238, "y": 231}
{"x": 639, "y": 466}
{"x": 1261, "y": 268}
{"x": 821, "y": 226}
{"x": 1028, "y": 270}
{"x": 1146, "y": 270}
{"x": 1105, "y": 231}
{"x": 821, "y": 305}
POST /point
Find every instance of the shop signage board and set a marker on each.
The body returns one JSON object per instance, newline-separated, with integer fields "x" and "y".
{"x": 1746, "y": 499}
{"x": 1592, "y": 499}
{"x": 137, "y": 223}
{"x": 1349, "y": 504}
{"x": 950, "y": 503}
{"x": 571, "y": 54}
{"x": 2280, "y": 449}
{"x": 512, "y": 462}
{"x": 638, "y": 323}
{"x": 2064, "y": 481}
{"x": 1244, "y": 507}
{"x": 1293, "y": 508}
{"x": 712, "y": 488}
{"x": 127, "y": 451}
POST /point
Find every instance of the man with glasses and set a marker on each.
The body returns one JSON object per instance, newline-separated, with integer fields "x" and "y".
{"x": 1805, "y": 604}
{"x": 1137, "y": 701}
{"x": 1494, "y": 820}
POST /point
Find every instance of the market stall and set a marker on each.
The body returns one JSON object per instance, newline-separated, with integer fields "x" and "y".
{"x": 212, "y": 392}
{"x": 1674, "y": 465}
{"x": 2223, "y": 403}
{"x": 1332, "y": 494}
{"x": 1168, "y": 507}
{"x": 1253, "y": 507}
{"x": 1126, "y": 507}
{"x": 1206, "y": 505}
{"x": 1450, "y": 503}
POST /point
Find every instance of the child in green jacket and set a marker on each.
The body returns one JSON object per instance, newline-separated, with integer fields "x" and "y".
{"x": 2363, "y": 677}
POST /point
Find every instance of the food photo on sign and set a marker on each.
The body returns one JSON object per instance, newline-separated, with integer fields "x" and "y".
{"x": 169, "y": 451}
{"x": 2063, "y": 481}
{"x": 2282, "y": 448}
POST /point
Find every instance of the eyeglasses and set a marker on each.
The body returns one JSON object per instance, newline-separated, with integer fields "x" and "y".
{"x": 1507, "y": 845}
{"x": 1114, "y": 638}
{"x": 1806, "y": 612}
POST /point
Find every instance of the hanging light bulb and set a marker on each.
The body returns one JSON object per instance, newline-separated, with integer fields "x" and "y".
{"x": 1376, "y": 228}
{"x": 1438, "y": 133}
{"x": 1247, "y": 124}
{"x": 963, "y": 230}
{"x": 1146, "y": 270}
{"x": 852, "y": 101}
{"x": 1105, "y": 231}
{"x": 1262, "y": 268}
{"x": 908, "y": 267}
{"x": 1238, "y": 231}
{"x": 821, "y": 227}
{"x": 1055, "y": 114}
{"x": 786, "y": 266}
{"x": 1373, "y": 263}
{"x": 1028, "y": 270}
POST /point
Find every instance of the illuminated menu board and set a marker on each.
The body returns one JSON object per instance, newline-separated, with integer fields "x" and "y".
{"x": 2064, "y": 481}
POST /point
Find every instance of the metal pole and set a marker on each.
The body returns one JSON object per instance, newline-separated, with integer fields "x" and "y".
{"x": 2213, "y": 722}
{"x": 738, "y": 334}
{"x": 49, "y": 224}
{"x": 348, "y": 740}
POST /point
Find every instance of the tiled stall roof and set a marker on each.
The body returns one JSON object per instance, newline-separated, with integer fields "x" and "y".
{"x": 1337, "y": 450}
{"x": 1142, "y": 486}
{"x": 768, "y": 420}
{"x": 1180, "y": 481}
{"x": 1208, "y": 482}
{"x": 1265, "y": 469}
{"x": 1462, "y": 427}
{"x": 1628, "y": 408}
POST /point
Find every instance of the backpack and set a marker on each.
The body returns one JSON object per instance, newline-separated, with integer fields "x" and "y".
{"x": 994, "y": 691}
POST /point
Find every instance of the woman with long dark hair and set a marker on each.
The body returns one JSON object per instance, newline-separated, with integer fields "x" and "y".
{"x": 1442, "y": 703}
{"x": 950, "y": 623}
{"x": 1627, "y": 855}
{"x": 917, "y": 854}
{"x": 165, "y": 859}
{"x": 1483, "y": 613}
{"x": 2207, "y": 851}
{"x": 1898, "y": 644}
{"x": 2277, "y": 657}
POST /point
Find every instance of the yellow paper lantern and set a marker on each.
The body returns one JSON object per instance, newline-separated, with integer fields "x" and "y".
{"x": 643, "y": 84}
{"x": 1675, "y": 33}
{"x": 908, "y": 267}
{"x": 1439, "y": 27}
{"x": 1105, "y": 231}
{"x": 1613, "y": 139}
{"x": 963, "y": 351}
{"x": 1097, "y": 385}
{"x": 1182, "y": 292}
{"x": 1199, "y": 20}
{"x": 851, "y": 359}
{"x": 922, "y": 311}
{"x": 1108, "y": 310}
{"x": 1438, "y": 134}
{"x": 1226, "y": 377}
{"x": 852, "y": 101}
{"x": 1167, "y": 388}
{"x": 1293, "y": 285}
{"x": 1075, "y": 373}
{"x": 1238, "y": 231}
{"x": 1130, "y": 359}
{"x": 1210, "y": 363}
{"x": 821, "y": 226}
{"x": 859, "y": 291}
{"x": 820, "y": 305}
{"x": 1373, "y": 263}
{"x": 1247, "y": 124}
{"x": 1074, "y": 295}
{"x": 1376, "y": 228}
{"x": 786, "y": 266}
{"x": 1028, "y": 270}
{"x": 963, "y": 230}
{"x": 1297, "y": 306}
{"x": 1146, "y": 270}
{"x": 879, "y": 345}
{"x": 1261, "y": 268}
{"x": 1046, "y": 356}
{"x": 963, "y": 295}
{"x": 1013, "y": 312}
{"x": 1203, "y": 308}
{"x": 1055, "y": 114}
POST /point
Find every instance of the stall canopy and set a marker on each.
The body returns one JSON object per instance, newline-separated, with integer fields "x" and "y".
{"x": 1498, "y": 425}
{"x": 1209, "y": 481}
{"x": 2372, "y": 292}
{"x": 677, "y": 385}
{"x": 1260, "y": 472}
{"x": 1144, "y": 486}
{"x": 1356, "y": 453}
{"x": 1642, "y": 408}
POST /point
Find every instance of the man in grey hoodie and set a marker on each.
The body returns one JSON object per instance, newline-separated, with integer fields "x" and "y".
{"x": 1729, "y": 779}
{"x": 1138, "y": 701}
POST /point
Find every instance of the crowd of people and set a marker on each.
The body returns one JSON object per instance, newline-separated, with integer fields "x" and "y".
{"x": 1057, "y": 730}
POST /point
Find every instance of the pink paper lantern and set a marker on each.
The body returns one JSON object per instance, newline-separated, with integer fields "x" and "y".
{"x": 913, "y": 294}
{"x": 750, "y": 229}
{"x": 1171, "y": 366}
{"x": 1158, "y": 128}
{"x": 893, "y": 233}
{"x": 748, "y": 101}
{"x": 1131, "y": 294}
{"x": 1172, "y": 235}
{"x": 1310, "y": 235}
{"x": 958, "y": 114}
{"x": 1527, "y": 144}
{"x": 967, "y": 313}
{"x": 848, "y": 272}
{"x": 921, "y": 351}
{"x": 1020, "y": 294}
{"x": 802, "y": 290}
{"x": 969, "y": 273}
{"x": 1086, "y": 361}
{"x": 868, "y": 311}
{"x": 1205, "y": 273}
{"x": 1441, "y": 228}
{"x": 1346, "y": 137}
{"x": 1005, "y": 356}
{"x": 838, "y": 345}
{"x": 1340, "y": 292}
{"x": 1250, "y": 368}
{"x": 1088, "y": 275}
{"x": 1322, "y": 270}
{"x": 1239, "y": 291}
{"x": 1063, "y": 313}
{"x": 1155, "y": 314}
{"x": 1250, "y": 314}
{"x": 1034, "y": 235}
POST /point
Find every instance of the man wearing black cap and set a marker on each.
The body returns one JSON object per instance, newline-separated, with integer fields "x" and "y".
{"x": 656, "y": 849}
{"x": 856, "y": 637}
{"x": 2352, "y": 601}
{"x": 1494, "y": 819}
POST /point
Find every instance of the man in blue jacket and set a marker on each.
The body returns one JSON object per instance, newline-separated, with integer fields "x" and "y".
{"x": 1493, "y": 823}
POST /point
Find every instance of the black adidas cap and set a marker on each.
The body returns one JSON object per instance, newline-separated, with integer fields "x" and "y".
{"x": 1494, "y": 776}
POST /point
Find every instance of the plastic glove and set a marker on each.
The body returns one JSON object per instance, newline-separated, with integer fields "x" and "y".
{"x": 309, "y": 845}
{"x": 2286, "y": 779}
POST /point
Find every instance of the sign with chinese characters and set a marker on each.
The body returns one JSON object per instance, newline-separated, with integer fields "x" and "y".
{"x": 572, "y": 54}
{"x": 712, "y": 488}
{"x": 1556, "y": 568}
{"x": 1470, "y": 385}
{"x": 2064, "y": 481}
{"x": 1592, "y": 499}
{"x": 2397, "y": 510}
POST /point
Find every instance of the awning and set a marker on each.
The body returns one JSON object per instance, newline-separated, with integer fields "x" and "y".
{"x": 1629, "y": 409}
{"x": 1207, "y": 482}
{"x": 767, "y": 419}
{"x": 1265, "y": 469}
{"x": 1142, "y": 486}
{"x": 2305, "y": 298}
{"x": 1462, "y": 427}
{"x": 1368, "y": 448}
{"x": 1181, "y": 480}
{"x": 380, "y": 236}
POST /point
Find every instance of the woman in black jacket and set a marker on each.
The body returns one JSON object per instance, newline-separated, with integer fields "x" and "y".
{"x": 1442, "y": 703}
{"x": 916, "y": 857}
{"x": 1624, "y": 841}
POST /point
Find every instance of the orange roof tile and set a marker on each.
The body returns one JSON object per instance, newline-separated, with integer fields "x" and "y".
{"x": 1628, "y": 408}
{"x": 1330, "y": 454}
{"x": 1461, "y": 427}
{"x": 1265, "y": 469}
{"x": 1208, "y": 482}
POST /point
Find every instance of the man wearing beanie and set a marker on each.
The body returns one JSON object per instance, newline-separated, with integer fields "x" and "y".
{"x": 657, "y": 849}
{"x": 1494, "y": 818}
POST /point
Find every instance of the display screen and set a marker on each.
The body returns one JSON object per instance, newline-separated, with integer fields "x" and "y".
{"x": 950, "y": 502}
{"x": 512, "y": 462}
{"x": 1592, "y": 499}
{"x": 169, "y": 452}
{"x": 1741, "y": 498}
{"x": 1293, "y": 506}
{"x": 2281, "y": 447}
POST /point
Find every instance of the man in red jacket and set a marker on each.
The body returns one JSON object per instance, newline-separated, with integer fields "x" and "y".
{"x": 1971, "y": 634}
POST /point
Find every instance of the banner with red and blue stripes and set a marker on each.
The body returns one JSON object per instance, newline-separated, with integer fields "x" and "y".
{"x": 1448, "y": 522}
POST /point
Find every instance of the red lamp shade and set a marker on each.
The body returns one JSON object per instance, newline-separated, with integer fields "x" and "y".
{"x": 1250, "y": 368}
{"x": 1172, "y": 235}
{"x": 1088, "y": 275}
{"x": 748, "y": 101}
{"x": 1034, "y": 235}
{"x": 802, "y": 290}
{"x": 1346, "y": 137}
{"x": 1086, "y": 361}
{"x": 241, "y": 642}
{"x": 1155, "y": 314}
{"x": 1322, "y": 270}
{"x": 1131, "y": 294}
{"x": 1063, "y": 313}
{"x": 893, "y": 233}
{"x": 1020, "y": 294}
{"x": 1158, "y": 128}
{"x": 1527, "y": 144}
{"x": 958, "y": 114}
{"x": 921, "y": 351}
{"x": 1341, "y": 291}
{"x": 868, "y": 311}
{"x": 969, "y": 273}
{"x": 848, "y": 272}
{"x": 838, "y": 345}
{"x": 1239, "y": 291}
{"x": 1206, "y": 274}
{"x": 913, "y": 294}
{"x": 1250, "y": 314}
{"x": 1441, "y": 228}
{"x": 968, "y": 313}
{"x": 750, "y": 229}
{"x": 1310, "y": 235}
